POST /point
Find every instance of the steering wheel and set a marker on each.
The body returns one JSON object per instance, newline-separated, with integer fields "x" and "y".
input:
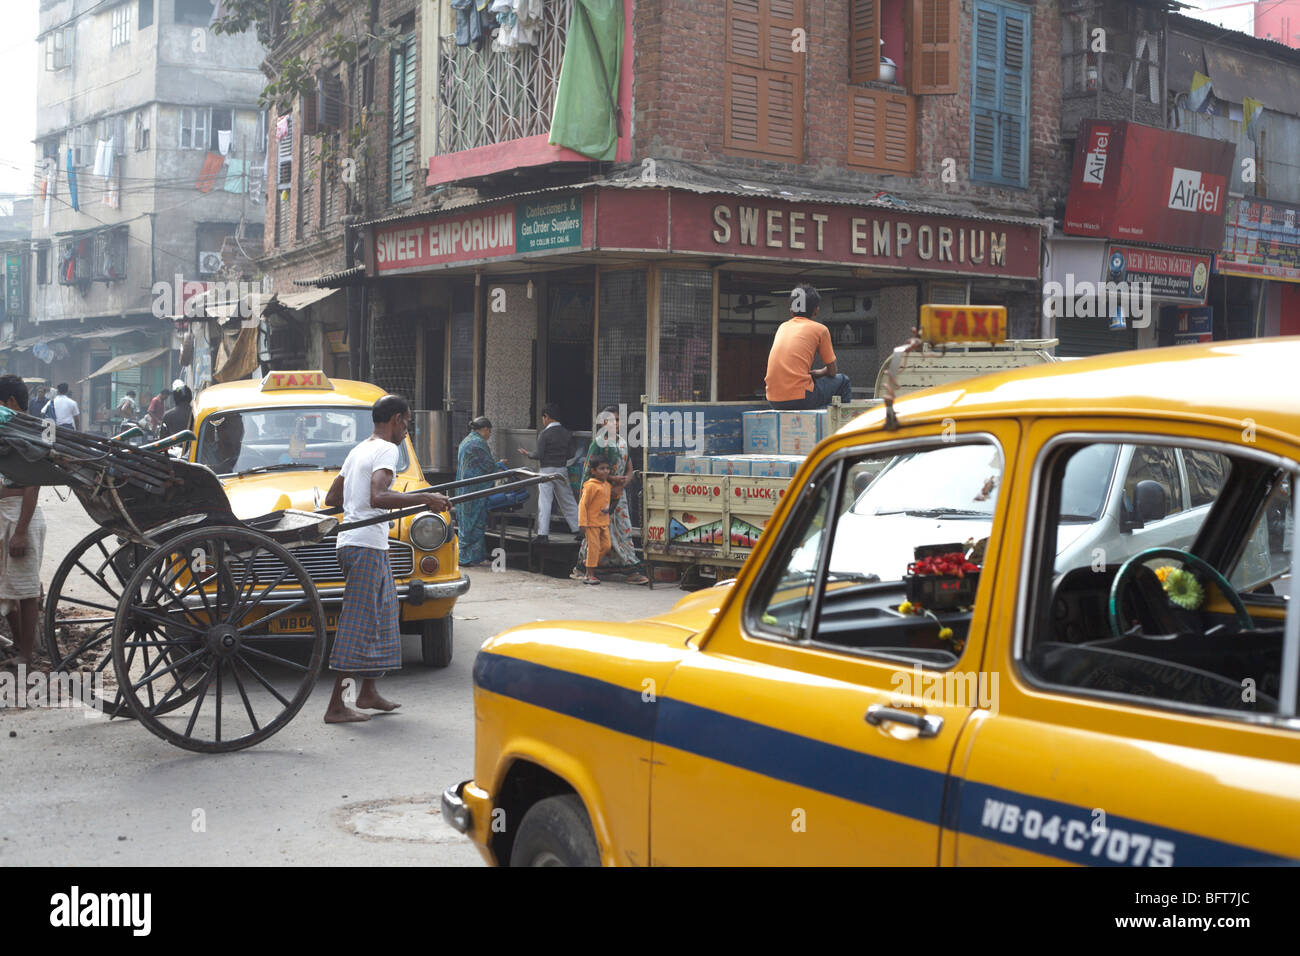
{"x": 1128, "y": 568}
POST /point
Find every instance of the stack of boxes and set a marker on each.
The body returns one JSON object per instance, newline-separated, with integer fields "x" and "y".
{"x": 772, "y": 445}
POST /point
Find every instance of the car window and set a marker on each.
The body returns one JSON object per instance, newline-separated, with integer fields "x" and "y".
{"x": 285, "y": 438}
{"x": 1267, "y": 556}
{"x": 848, "y": 572}
{"x": 1156, "y": 463}
{"x": 1108, "y": 618}
{"x": 1206, "y": 473}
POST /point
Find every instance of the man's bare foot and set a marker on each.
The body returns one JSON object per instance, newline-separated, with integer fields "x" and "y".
{"x": 376, "y": 702}
{"x": 344, "y": 715}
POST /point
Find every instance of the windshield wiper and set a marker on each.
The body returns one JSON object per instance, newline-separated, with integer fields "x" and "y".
{"x": 288, "y": 466}
{"x": 1069, "y": 517}
{"x": 938, "y": 513}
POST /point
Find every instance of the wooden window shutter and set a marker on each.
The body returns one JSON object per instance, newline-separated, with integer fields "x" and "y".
{"x": 399, "y": 72}
{"x": 1015, "y": 99}
{"x": 1000, "y": 94}
{"x": 935, "y": 26}
{"x": 744, "y": 32}
{"x": 410, "y": 96}
{"x": 309, "y": 103}
{"x": 329, "y": 101}
{"x": 864, "y": 40}
{"x": 764, "y": 113}
{"x": 984, "y": 95}
{"x": 284, "y": 159}
{"x": 882, "y": 131}
{"x": 783, "y": 18}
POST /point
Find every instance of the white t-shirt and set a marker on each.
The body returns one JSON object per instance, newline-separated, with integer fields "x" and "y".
{"x": 371, "y": 455}
{"x": 64, "y": 410}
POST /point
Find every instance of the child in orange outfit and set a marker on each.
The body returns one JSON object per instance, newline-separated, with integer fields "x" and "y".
{"x": 593, "y": 515}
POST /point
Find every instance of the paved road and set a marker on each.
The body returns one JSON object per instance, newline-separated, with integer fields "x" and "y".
{"x": 78, "y": 791}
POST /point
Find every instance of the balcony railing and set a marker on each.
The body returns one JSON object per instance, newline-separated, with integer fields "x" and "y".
{"x": 492, "y": 97}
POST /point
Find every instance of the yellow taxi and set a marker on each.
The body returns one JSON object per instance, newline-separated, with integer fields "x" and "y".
{"x": 923, "y": 668}
{"x": 279, "y": 443}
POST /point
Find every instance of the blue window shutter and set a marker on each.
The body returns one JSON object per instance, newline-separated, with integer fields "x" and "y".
{"x": 1000, "y": 93}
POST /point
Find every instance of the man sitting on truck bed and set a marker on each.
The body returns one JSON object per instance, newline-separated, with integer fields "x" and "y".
{"x": 792, "y": 382}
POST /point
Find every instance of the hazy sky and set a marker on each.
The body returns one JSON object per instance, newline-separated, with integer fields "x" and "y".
{"x": 18, "y": 95}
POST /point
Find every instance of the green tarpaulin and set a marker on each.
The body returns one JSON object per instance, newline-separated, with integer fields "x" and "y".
{"x": 586, "y": 102}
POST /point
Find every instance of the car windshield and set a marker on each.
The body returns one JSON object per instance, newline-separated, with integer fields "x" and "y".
{"x": 961, "y": 481}
{"x": 275, "y": 439}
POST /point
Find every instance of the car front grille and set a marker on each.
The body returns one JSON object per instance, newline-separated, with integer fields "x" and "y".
{"x": 322, "y": 561}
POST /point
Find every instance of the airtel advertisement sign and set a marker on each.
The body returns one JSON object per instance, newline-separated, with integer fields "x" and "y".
{"x": 1140, "y": 183}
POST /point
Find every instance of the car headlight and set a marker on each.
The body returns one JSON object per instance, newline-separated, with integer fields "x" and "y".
{"x": 428, "y": 532}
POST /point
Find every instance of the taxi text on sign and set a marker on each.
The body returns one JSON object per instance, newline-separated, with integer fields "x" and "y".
{"x": 278, "y": 381}
{"x": 946, "y": 323}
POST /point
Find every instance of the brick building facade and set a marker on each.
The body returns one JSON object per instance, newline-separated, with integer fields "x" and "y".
{"x": 643, "y": 296}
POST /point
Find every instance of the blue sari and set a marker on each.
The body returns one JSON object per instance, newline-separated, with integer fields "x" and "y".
{"x": 473, "y": 459}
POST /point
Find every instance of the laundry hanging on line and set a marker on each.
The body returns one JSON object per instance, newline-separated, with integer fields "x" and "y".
{"x": 212, "y": 164}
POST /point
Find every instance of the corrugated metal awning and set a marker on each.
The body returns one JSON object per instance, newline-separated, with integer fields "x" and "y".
{"x": 335, "y": 280}
{"x": 300, "y": 300}
{"x": 674, "y": 175}
{"x": 129, "y": 360}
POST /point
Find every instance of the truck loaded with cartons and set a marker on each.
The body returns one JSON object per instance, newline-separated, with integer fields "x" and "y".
{"x": 715, "y": 471}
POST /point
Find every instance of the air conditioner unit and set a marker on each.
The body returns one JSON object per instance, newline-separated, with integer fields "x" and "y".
{"x": 210, "y": 263}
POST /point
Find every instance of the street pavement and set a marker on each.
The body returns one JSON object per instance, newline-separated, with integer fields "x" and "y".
{"x": 85, "y": 791}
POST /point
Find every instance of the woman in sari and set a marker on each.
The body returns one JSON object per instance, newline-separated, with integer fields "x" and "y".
{"x": 622, "y": 557}
{"x": 474, "y": 459}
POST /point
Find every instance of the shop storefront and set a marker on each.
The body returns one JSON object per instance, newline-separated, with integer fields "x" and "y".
{"x": 599, "y": 295}
{"x": 1257, "y": 272}
{"x": 1144, "y": 218}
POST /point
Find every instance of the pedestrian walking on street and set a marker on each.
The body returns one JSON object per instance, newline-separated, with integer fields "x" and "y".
{"x": 156, "y": 407}
{"x": 367, "y": 643}
{"x": 22, "y": 543}
{"x": 37, "y": 405}
{"x": 554, "y": 449}
{"x": 126, "y": 408}
{"x": 792, "y": 382}
{"x": 67, "y": 413}
{"x": 621, "y": 558}
{"x": 474, "y": 459}
{"x": 594, "y": 514}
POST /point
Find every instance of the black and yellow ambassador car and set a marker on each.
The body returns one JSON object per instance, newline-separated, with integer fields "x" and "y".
{"x": 850, "y": 699}
{"x": 279, "y": 443}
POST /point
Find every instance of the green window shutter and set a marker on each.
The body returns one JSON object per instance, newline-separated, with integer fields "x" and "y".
{"x": 399, "y": 72}
{"x": 1000, "y": 93}
{"x": 409, "y": 96}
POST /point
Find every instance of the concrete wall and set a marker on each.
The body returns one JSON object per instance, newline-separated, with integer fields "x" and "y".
{"x": 510, "y": 335}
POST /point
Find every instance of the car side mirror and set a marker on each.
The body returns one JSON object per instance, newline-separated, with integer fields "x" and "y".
{"x": 1150, "y": 499}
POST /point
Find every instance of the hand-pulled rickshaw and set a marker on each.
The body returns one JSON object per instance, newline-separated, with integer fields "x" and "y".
{"x": 184, "y": 593}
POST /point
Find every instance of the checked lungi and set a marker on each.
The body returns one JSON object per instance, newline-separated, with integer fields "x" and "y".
{"x": 367, "y": 642}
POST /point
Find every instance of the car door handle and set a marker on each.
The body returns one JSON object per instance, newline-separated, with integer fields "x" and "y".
{"x": 927, "y": 725}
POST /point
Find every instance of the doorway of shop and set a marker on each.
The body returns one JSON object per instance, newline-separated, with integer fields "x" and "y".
{"x": 570, "y": 329}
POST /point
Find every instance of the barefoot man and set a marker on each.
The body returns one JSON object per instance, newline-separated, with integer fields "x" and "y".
{"x": 367, "y": 643}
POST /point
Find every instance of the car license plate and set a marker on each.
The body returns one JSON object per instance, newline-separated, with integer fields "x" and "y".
{"x": 302, "y": 623}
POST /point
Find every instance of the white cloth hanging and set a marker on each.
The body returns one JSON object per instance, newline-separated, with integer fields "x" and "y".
{"x": 224, "y": 139}
{"x": 101, "y": 158}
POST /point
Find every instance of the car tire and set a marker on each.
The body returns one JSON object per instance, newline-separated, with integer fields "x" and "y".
{"x": 435, "y": 642}
{"x": 555, "y": 832}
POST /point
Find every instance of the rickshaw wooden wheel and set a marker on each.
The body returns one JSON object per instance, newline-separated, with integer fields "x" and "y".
{"x": 214, "y": 599}
{"x": 98, "y": 568}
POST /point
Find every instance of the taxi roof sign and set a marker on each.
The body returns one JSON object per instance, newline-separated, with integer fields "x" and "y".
{"x": 941, "y": 324}
{"x": 281, "y": 381}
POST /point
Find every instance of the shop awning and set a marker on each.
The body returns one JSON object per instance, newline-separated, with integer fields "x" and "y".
{"x": 335, "y": 280}
{"x": 294, "y": 301}
{"x": 112, "y": 333}
{"x": 128, "y": 360}
{"x": 217, "y": 303}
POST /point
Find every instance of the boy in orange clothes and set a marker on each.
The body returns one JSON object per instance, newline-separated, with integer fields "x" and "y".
{"x": 593, "y": 514}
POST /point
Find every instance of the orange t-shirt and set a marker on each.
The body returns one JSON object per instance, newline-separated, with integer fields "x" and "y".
{"x": 595, "y": 499}
{"x": 790, "y": 362}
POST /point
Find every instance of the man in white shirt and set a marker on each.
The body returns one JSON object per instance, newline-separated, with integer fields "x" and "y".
{"x": 66, "y": 411}
{"x": 367, "y": 643}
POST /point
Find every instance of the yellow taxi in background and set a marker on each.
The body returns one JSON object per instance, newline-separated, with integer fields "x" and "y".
{"x": 1130, "y": 704}
{"x": 279, "y": 443}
